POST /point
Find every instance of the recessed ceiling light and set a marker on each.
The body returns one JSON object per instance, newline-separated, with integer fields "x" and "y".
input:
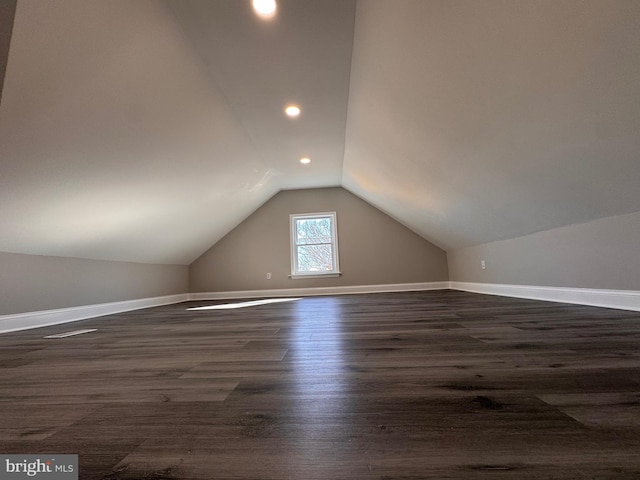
{"x": 264, "y": 8}
{"x": 305, "y": 160}
{"x": 292, "y": 110}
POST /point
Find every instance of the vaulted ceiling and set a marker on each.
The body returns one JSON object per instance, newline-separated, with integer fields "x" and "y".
{"x": 145, "y": 131}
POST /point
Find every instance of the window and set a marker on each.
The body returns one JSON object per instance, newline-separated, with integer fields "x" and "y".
{"x": 314, "y": 245}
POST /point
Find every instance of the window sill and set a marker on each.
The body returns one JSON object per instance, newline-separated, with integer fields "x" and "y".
{"x": 315, "y": 275}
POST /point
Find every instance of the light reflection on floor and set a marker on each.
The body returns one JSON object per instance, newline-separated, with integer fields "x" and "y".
{"x": 252, "y": 303}
{"x": 321, "y": 384}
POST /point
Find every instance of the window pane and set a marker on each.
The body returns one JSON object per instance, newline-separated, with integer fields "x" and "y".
{"x": 314, "y": 246}
{"x": 314, "y": 258}
{"x": 313, "y": 230}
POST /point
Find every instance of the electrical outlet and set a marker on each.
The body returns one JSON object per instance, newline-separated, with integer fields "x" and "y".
{"x": 268, "y": 275}
{"x": 483, "y": 265}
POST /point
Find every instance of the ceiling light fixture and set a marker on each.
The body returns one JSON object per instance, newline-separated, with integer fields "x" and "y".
{"x": 292, "y": 110}
{"x": 305, "y": 160}
{"x": 264, "y": 8}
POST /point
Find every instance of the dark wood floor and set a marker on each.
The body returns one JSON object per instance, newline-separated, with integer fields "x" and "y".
{"x": 406, "y": 386}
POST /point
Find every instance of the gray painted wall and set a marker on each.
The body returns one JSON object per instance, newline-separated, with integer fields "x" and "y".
{"x": 603, "y": 254}
{"x": 374, "y": 249}
{"x": 30, "y": 282}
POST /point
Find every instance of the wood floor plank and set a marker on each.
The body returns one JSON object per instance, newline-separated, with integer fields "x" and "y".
{"x": 400, "y": 386}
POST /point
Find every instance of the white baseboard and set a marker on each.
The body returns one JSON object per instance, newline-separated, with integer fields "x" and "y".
{"x": 43, "y": 318}
{"x": 315, "y": 291}
{"x": 620, "y": 299}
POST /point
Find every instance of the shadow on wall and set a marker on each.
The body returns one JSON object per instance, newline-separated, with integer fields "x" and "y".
{"x": 7, "y": 14}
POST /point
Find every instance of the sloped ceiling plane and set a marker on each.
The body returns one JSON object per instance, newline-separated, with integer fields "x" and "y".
{"x": 145, "y": 131}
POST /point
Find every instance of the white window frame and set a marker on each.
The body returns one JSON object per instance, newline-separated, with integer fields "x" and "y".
{"x": 295, "y": 272}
